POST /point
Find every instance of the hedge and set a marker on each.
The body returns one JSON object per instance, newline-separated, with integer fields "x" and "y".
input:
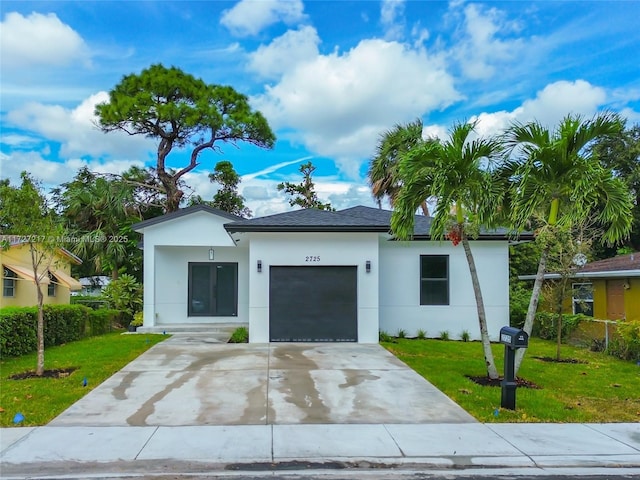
{"x": 62, "y": 324}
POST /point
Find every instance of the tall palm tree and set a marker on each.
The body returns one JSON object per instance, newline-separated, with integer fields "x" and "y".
{"x": 383, "y": 175}
{"x": 456, "y": 172}
{"x": 556, "y": 176}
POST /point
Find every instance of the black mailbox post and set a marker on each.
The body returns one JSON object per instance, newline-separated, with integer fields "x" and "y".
{"x": 513, "y": 339}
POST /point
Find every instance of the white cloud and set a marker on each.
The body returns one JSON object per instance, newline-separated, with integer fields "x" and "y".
{"x": 39, "y": 39}
{"x": 76, "y": 129}
{"x": 485, "y": 42}
{"x": 250, "y": 17}
{"x": 339, "y": 103}
{"x": 53, "y": 173}
{"x": 285, "y": 52}
{"x": 558, "y": 99}
{"x": 392, "y": 19}
{"x": 549, "y": 107}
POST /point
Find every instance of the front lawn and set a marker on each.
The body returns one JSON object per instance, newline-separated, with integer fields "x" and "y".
{"x": 40, "y": 400}
{"x": 603, "y": 389}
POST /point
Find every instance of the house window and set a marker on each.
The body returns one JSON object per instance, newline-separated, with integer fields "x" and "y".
{"x": 51, "y": 288}
{"x": 583, "y": 298}
{"x": 8, "y": 283}
{"x": 434, "y": 280}
{"x": 213, "y": 289}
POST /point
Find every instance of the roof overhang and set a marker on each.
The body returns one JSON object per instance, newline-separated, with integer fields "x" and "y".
{"x": 67, "y": 280}
{"x": 608, "y": 274}
{"x": 231, "y": 228}
{"x": 27, "y": 273}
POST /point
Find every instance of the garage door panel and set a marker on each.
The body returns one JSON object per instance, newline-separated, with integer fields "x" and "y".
{"x": 313, "y": 304}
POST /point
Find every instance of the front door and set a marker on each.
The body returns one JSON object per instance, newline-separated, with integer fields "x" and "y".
{"x": 615, "y": 299}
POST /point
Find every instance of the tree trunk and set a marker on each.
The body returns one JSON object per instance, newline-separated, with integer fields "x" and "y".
{"x": 425, "y": 208}
{"x": 492, "y": 371}
{"x": 174, "y": 194}
{"x": 40, "y": 329}
{"x": 559, "y": 320}
{"x": 533, "y": 304}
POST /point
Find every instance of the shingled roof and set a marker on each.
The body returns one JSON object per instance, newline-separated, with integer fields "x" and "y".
{"x": 622, "y": 263}
{"x": 617, "y": 267}
{"x": 311, "y": 220}
{"x": 354, "y": 219}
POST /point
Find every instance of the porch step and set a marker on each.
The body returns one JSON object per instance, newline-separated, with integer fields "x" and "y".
{"x": 177, "y": 328}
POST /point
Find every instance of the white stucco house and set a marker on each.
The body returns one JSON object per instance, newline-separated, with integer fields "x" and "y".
{"x": 312, "y": 275}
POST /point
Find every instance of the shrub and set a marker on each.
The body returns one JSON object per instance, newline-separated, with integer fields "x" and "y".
{"x": 62, "y": 324}
{"x": 465, "y": 336}
{"x": 402, "y": 333}
{"x": 421, "y": 335}
{"x": 444, "y": 335}
{"x": 384, "y": 336}
{"x": 138, "y": 320}
{"x": 90, "y": 301}
{"x": 627, "y": 346}
{"x": 240, "y": 335}
{"x": 124, "y": 294}
{"x": 545, "y": 325}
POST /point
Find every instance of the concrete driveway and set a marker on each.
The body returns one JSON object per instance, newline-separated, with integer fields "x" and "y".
{"x": 193, "y": 379}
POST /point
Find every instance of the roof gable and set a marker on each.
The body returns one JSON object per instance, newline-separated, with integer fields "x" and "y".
{"x": 181, "y": 213}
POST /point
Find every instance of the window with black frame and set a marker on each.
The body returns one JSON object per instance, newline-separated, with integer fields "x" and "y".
{"x": 51, "y": 288}
{"x": 434, "y": 280}
{"x": 583, "y": 298}
{"x": 213, "y": 289}
{"x": 9, "y": 281}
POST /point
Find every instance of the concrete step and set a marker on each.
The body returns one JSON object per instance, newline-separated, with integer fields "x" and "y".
{"x": 177, "y": 328}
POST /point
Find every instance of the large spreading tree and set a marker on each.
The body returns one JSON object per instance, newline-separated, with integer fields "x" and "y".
{"x": 559, "y": 181}
{"x": 181, "y": 112}
{"x": 454, "y": 171}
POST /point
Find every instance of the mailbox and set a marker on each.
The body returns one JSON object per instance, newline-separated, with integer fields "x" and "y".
{"x": 514, "y": 337}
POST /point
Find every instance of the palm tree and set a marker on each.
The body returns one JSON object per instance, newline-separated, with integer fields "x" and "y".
{"x": 383, "y": 173}
{"x": 456, "y": 173}
{"x": 556, "y": 176}
{"x": 100, "y": 213}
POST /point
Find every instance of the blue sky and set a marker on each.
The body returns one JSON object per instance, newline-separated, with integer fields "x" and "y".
{"x": 329, "y": 76}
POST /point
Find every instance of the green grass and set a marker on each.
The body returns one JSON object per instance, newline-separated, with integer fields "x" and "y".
{"x": 42, "y": 399}
{"x": 240, "y": 335}
{"x": 604, "y": 389}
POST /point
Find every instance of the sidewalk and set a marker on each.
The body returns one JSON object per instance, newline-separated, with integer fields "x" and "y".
{"x": 75, "y": 450}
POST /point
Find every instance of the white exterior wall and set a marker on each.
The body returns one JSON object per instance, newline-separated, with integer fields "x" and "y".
{"x": 333, "y": 249}
{"x": 172, "y": 287}
{"x": 168, "y": 249}
{"x": 400, "y": 288}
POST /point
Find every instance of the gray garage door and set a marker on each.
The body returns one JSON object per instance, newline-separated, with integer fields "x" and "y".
{"x": 313, "y": 304}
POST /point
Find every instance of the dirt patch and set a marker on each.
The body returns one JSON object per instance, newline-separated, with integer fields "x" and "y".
{"x": 55, "y": 373}
{"x": 562, "y": 360}
{"x": 496, "y": 382}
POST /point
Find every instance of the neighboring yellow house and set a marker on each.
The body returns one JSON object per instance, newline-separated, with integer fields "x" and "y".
{"x": 606, "y": 289}
{"x": 18, "y": 281}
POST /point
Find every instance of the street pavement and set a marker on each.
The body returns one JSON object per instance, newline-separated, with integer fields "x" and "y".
{"x": 319, "y": 441}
